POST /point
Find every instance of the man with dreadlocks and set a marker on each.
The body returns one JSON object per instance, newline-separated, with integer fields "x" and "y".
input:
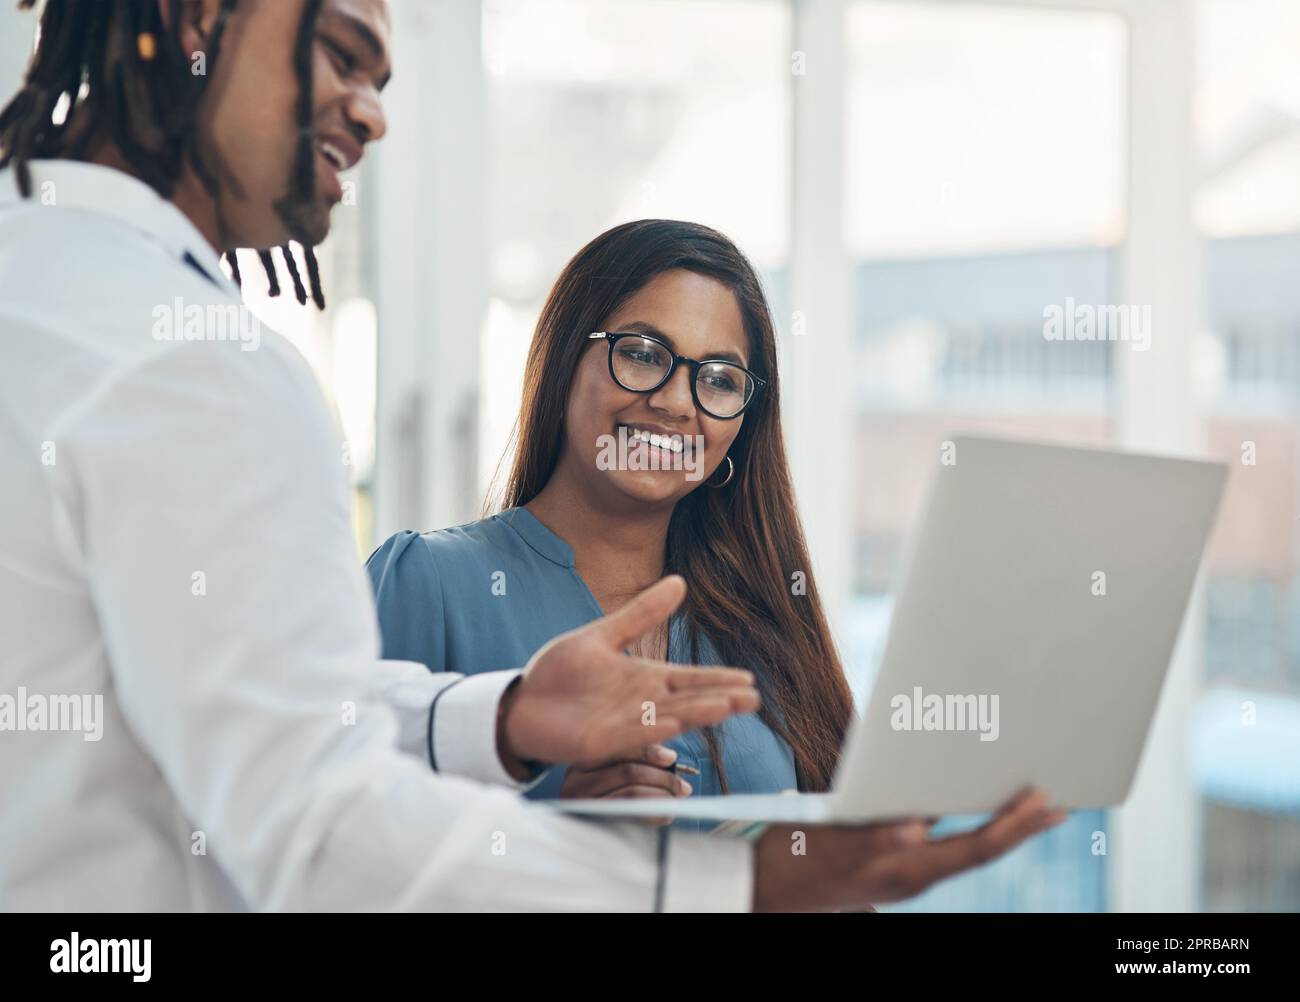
{"x": 136, "y": 92}
{"x": 178, "y": 587}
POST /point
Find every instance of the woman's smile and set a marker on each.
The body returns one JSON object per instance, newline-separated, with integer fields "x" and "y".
{"x": 650, "y": 437}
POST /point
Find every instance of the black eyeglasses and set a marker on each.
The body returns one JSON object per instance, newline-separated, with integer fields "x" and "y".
{"x": 641, "y": 363}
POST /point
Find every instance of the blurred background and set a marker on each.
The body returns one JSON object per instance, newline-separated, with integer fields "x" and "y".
{"x": 918, "y": 182}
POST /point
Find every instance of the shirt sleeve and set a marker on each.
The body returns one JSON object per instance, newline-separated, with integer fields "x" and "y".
{"x": 203, "y": 495}
{"x": 448, "y": 718}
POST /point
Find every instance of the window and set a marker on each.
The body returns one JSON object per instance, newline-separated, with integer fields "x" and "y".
{"x": 339, "y": 344}
{"x": 1246, "y": 740}
{"x": 602, "y": 113}
{"x": 984, "y": 183}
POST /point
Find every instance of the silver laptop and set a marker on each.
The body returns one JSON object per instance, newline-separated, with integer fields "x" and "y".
{"x": 1035, "y": 620}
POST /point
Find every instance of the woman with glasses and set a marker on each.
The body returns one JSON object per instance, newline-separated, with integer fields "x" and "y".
{"x": 648, "y": 443}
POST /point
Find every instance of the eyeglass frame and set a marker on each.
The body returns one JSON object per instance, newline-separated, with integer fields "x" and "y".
{"x": 613, "y": 337}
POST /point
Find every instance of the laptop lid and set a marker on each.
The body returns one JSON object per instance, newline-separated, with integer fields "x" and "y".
{"x": 1036, "y": 618}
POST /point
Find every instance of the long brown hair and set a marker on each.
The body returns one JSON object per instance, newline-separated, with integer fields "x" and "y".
{"x": 738, "y": 546}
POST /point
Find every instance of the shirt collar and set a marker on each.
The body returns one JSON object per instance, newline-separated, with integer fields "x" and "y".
{"x": 109, "y": 192}
{"x": 536, "y": 535}
{"x": 555, "y": 549}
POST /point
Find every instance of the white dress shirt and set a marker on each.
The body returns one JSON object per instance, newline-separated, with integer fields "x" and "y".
{"x": 180, "y": 593}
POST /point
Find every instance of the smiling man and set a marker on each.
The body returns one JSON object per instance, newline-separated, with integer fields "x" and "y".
{"x": 178, "y": 538}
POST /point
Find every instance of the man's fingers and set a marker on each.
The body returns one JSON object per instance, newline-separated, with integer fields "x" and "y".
{"x": 705, "y": 713}
{"x": 643, "y": 613}
{"x": 1027, "y": 816}
{"x": 673, "y": 715}
{"x": 709, "y": 706}
{"x": 741, "y": 698}
{"x": 879, "y": 842}
{"x": 680, "y": 679}
{"x": 678, "y": 714}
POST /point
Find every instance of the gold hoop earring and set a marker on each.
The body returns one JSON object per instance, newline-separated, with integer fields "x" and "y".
{"x": 731, "y": 472}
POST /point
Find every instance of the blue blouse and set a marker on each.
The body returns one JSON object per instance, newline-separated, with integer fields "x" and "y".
{"x": 489, "y": 594}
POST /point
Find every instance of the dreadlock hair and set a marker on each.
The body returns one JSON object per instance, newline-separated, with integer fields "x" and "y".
{"x": 117, "y": 64}
{"x": 268, "y": 263}
{"x": 233, "y": 260}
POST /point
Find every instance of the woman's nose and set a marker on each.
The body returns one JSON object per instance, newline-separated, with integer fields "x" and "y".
{"x": 675, "y": 395}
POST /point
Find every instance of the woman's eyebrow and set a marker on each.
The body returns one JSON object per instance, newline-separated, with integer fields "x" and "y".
{"x": 641, "y": 327}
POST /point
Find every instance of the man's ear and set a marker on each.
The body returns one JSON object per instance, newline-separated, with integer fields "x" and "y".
{"x": 196, "y": 20}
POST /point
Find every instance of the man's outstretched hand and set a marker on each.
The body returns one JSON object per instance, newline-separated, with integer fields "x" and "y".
{"x": 852, "y": 867}
{"x": 583, "y": 701}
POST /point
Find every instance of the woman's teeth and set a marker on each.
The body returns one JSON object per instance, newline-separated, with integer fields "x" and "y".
{"x": 673, "y": 443}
